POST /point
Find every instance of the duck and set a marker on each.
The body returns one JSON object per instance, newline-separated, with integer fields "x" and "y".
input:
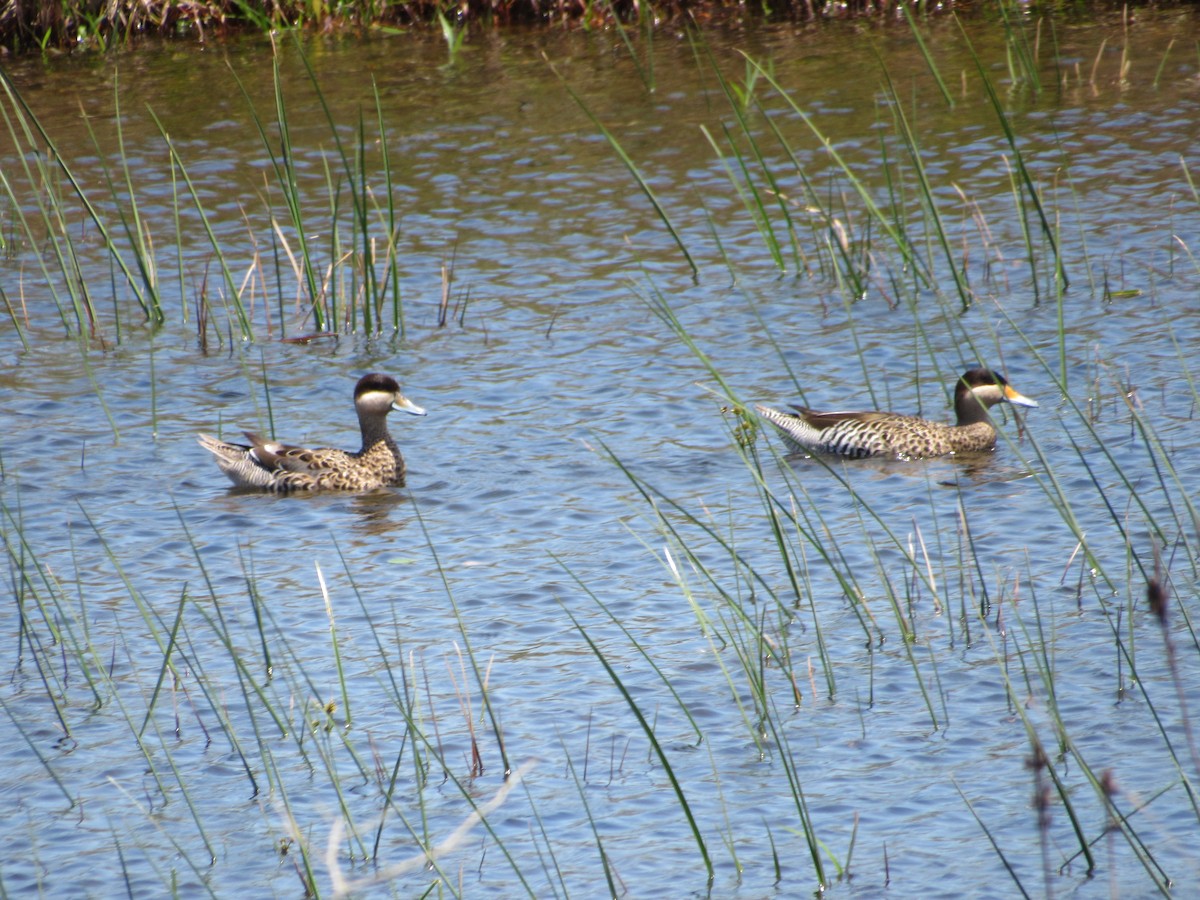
{"x": 858, "y": 435}
{"x": 282, "y": 469}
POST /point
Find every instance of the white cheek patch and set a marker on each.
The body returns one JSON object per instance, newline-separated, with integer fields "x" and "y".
{"x": 375, "y": 398}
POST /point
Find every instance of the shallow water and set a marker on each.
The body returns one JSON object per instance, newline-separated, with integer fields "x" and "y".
{"x": 553, "y": 379}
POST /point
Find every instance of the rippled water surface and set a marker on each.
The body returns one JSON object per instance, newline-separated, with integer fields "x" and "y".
{"x": 215, "y": 691}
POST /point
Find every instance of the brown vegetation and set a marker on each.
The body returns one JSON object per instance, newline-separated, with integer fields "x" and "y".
{"x": 98, "y": 24}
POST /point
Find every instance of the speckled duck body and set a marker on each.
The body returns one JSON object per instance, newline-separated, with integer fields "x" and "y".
{"x": 282, "y": 468}
{"x": 857, "y": 435}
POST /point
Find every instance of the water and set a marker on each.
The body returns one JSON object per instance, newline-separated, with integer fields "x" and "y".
{"x": 516, "y": 519}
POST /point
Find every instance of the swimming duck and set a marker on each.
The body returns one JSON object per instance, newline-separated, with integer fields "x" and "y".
{"x": 861, "y": 434}
{"x": 282, "y": 469}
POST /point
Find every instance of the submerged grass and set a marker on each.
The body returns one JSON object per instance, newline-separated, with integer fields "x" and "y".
{"x": 348, "y": 285}
{"x": 789, "y": 590}
{"x": 249, "y": 690}
{"x": 1148, "y": 504}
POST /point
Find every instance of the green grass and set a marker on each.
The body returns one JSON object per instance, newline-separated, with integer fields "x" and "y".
{"x": 70, "y": 24}
{"x": 167, "y": 706}
{"x": 347, "y": 285}
{"x": 1150, "y": 499}
{"x": 801, "y": 605}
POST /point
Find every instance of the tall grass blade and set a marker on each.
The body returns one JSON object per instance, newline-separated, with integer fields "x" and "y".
{"x": 1022, "y": 62}
{"x": 32, "y": 744}
{"x": 633, "y": 170}
{"x": 648, "y": 731}
{"x": 926, "y": 55}
{"x": 391, "y": 279}
{"x": 1062, "y": 282}
{"x": 1008, "y": 867}
{"x": 898, "y": 238}
{"x": 933, "y": 215}
{"x": 645, "y": 73}
{"x": 636, "y": 645}
{"x": 493, "y": 716}
{"x": 245, "y": 329}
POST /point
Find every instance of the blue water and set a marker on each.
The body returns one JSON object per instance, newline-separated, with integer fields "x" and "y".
{"x": 576, "y": 479}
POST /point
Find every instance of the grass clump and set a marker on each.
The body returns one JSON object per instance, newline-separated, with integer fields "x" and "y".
{"x": 936, "y": 597}
{"x": 73, "y": 24}
{"x": 293, "y": 286}
{"x": 211, "y": 671}
{"x": 807, "y": 638}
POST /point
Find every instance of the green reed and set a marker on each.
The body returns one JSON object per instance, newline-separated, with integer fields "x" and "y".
{"x": 634, "y": 171}
{"x": 135, "y": 230}
{"x": 74, "y": 25}
{"x": 999, "y": 850}
{"x": 481, "y": 681}
{"x": 611, "y": 877}
{"x": 646, "y": 656}
{"x": 453, "y": 34}
{"x": 649, "y": 732}
{"x": 1047, "y": 232}
{"x": 139, "y": 275}
{"x": 47, "y": 227}
{"x": 226, "y": 671}
{"x": 763, "y": 203}
{"x": 48, "y": 619}
{"x": 348, "y": 283}
{"x": 1143, "y": 495}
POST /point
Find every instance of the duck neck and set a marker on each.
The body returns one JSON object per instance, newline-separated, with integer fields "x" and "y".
{"x": 374, "y": 429}
{"x": 969, "y": 410}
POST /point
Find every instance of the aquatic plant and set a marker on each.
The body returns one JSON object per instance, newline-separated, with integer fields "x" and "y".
{"x": 74, "y": 24}
{"x": 794, "y": 597}
{"x": 750, "y": 591}
{"x": 348, "y": 285}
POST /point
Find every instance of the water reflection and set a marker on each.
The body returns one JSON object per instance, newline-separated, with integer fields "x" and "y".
{"x": 579, "y": 485}
{"x": 381, "y": 512}
{"x": 385, "y": 511}
{"x": 950, "y": 471}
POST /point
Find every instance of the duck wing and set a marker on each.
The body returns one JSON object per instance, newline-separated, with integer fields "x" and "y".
{"x": 822, "y": 420}
{"x": 279, "y": 457}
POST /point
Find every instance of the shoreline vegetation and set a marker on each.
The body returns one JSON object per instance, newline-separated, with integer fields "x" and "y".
{"x": 99, "y": 25}
{"x": 1024, "y": 696}
{"x": 94, "y": 24}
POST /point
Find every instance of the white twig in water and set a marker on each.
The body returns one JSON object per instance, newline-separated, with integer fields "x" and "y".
{"x": 342, "y": 886}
